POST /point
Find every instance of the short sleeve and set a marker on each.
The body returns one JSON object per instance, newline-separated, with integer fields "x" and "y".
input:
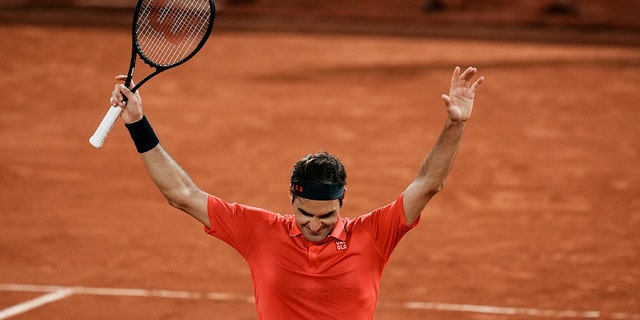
{"x": 235, "y": 223}
{"x": 386, "y": 226}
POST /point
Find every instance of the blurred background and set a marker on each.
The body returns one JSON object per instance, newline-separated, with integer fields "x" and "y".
{"x": 592, "y": 15}
{"x": 541, "y": 213}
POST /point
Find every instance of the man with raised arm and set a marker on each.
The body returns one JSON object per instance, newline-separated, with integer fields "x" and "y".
{"x": 312, "y": 263}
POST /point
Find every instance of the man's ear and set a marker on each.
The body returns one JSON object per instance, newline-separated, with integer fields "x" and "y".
{"x": 344, "y": 196}
{"x": 291, "y": 196}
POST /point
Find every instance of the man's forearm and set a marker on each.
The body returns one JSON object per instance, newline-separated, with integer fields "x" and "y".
{"x": 172, "y": 181}
{"x": 438, "y": 163}
{"x": 168, "y": 176}
{"x": 433, "y": 171}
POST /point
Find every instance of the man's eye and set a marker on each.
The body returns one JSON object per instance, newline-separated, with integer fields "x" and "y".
{"x": 328, "y": 215}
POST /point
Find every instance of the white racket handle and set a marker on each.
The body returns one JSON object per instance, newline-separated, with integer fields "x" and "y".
{"x": 97, "y": 139}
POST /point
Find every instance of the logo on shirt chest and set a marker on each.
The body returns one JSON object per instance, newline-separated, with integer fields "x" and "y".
{"x": 341, "y": 245}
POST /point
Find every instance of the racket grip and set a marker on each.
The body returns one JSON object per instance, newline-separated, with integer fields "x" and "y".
{"x": 97, "y": 139}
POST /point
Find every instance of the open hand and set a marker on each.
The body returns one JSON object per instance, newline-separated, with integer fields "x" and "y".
{"x": 459, "y": 102}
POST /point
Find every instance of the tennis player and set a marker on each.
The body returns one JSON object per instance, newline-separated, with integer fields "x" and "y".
{"x": 313, "y": 263}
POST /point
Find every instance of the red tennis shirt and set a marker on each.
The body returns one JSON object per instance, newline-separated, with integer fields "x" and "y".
{"x": 293, "y": 278}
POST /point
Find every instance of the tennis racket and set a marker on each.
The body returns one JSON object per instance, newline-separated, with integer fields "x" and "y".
{"x": 165, "y": 34}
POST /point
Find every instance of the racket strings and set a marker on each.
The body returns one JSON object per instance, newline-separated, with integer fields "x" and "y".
{"x": 168, "y": 31}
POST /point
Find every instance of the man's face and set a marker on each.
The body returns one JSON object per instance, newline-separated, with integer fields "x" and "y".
{"x": 316, "y": 218}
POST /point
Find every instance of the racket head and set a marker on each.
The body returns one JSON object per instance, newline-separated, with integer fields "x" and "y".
{"x": 167, "y": 33}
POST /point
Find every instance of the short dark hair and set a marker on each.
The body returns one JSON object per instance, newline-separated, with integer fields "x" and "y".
{"x": 319, "y": 168}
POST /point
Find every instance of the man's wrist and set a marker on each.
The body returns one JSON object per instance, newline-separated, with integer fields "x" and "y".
{"x": 452, "y": 122}
{"x": 142, "y": 135}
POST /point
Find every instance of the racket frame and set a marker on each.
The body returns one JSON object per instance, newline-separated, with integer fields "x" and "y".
{"x": 105, "y": 126}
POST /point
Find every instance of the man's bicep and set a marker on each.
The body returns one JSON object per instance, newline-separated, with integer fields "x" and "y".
{"x": 415, "y": 199}
{"x": 197, "y": 207}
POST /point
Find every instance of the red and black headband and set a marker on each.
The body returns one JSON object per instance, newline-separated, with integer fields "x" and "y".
{"x": 318, "y": 191}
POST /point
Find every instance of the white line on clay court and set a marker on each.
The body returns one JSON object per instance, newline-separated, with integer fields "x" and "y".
{"x": 35, "y": 303}
{"x": 55, "y": 293}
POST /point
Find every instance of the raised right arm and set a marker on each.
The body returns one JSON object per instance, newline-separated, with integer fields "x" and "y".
{"x": 172, "y": 181}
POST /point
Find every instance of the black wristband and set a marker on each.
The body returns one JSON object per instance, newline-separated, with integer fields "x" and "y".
{"x": 142, "y": 134}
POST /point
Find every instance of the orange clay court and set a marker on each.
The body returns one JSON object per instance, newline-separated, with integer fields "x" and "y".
{"x": 540, "y": 218}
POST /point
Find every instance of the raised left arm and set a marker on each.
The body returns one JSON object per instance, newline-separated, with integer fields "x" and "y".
{"x": 436, "y": 166}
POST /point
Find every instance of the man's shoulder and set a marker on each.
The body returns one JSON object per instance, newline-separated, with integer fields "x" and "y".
{"x": 387, "y": 211}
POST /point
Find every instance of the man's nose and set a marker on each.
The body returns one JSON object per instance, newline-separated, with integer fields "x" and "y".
{"x": 315, "y": 225}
